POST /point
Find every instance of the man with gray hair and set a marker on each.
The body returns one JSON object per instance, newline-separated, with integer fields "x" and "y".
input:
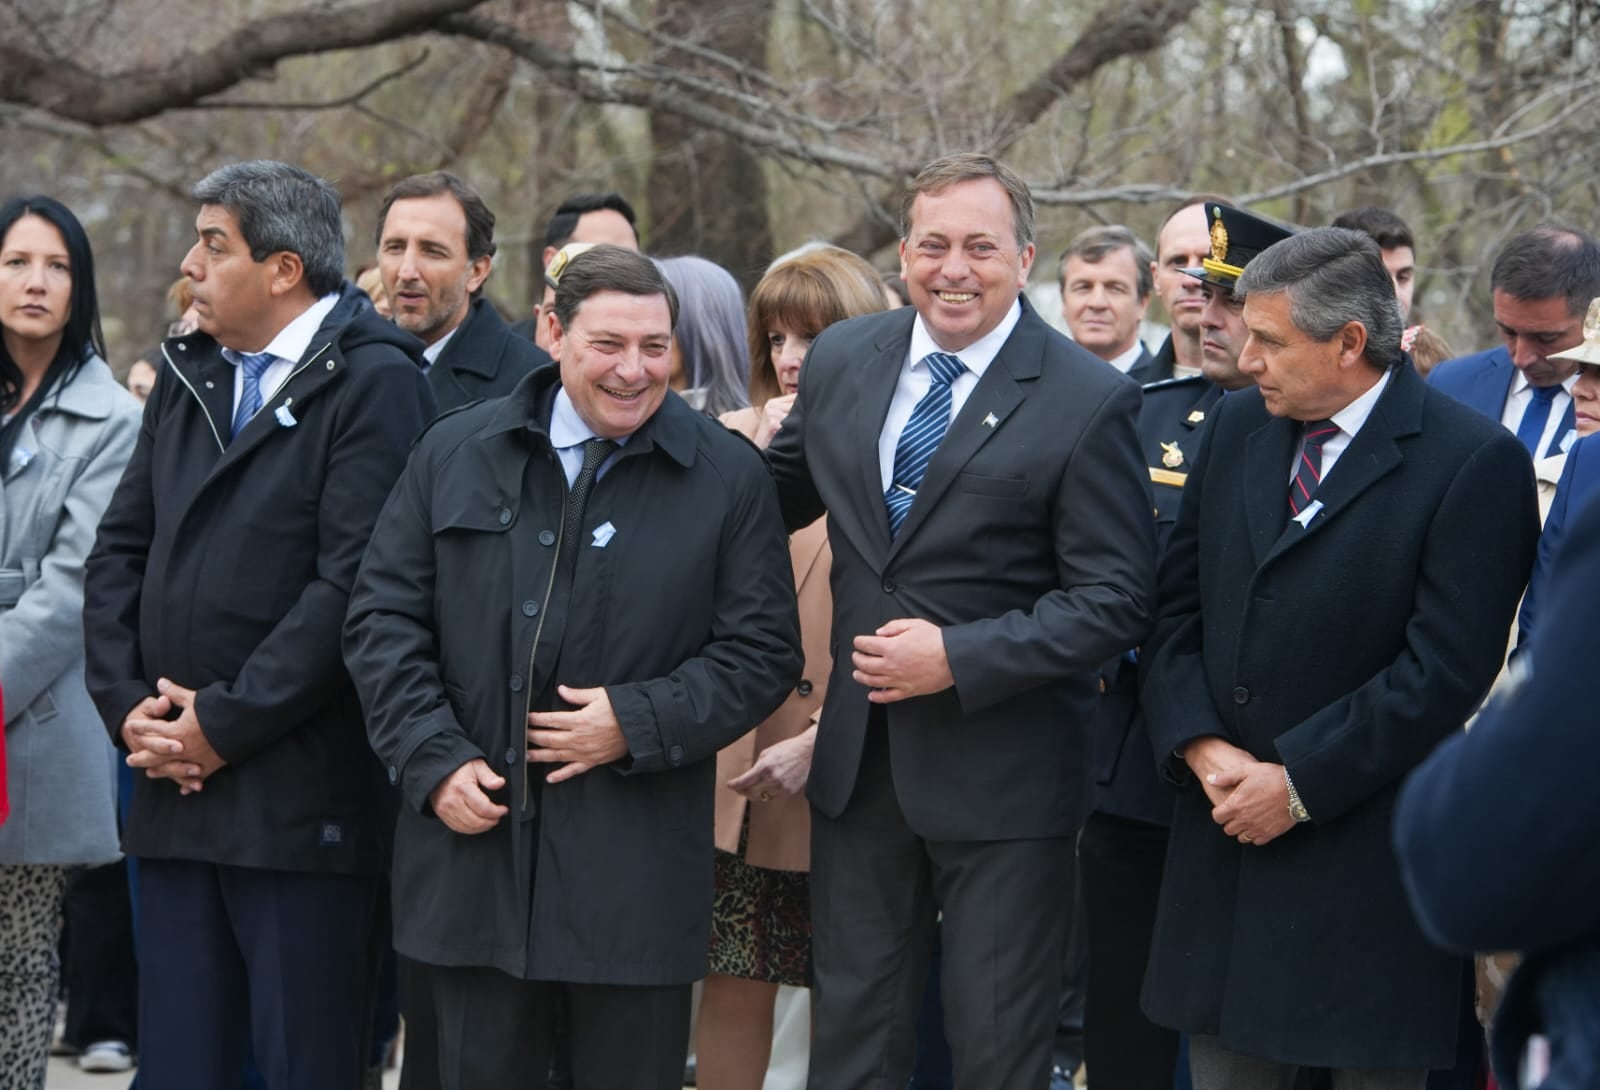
{"x": 213, "y": 601}
{"x": 1335, "y": 599}
{"x": 1105, "y": 289}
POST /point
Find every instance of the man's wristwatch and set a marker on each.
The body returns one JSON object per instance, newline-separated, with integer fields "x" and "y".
{"x": 1297, "y": 809}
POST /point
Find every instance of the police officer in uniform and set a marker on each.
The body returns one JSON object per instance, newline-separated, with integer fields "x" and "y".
{"x": 1124, "y": 841}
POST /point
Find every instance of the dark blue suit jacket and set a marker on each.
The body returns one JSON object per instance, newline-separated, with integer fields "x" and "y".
{"x": 1483, "y": 380}
{"x": 1580, "y": 483}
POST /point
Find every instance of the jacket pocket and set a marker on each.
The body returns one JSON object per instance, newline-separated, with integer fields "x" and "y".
{"x": 1002, "y": 487}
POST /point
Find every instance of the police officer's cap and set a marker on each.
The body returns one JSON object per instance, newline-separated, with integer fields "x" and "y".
{"x": 1236, "y": 238}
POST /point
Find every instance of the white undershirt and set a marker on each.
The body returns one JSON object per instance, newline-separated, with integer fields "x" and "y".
{"x": 289, "y": 346}
{"x": 915, "y": 378}
{"x": 1126, "y": 360}
{"x": 1521, "y": 396}
{"x": 1348, "y": 420}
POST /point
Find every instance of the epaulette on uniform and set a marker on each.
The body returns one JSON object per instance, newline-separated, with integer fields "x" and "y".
{"x": 1175, "y": 382}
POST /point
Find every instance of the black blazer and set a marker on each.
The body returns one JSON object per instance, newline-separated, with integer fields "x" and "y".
{"x": 1345, "y": 650}
{"x": 227, "y": 566}
{"x": 1030, "y": 543}
{"x": 483, "y": 359}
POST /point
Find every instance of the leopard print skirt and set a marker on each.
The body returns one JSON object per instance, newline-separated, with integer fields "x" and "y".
{"x": 760, "y": 921}
{"x": 31, "y": 897}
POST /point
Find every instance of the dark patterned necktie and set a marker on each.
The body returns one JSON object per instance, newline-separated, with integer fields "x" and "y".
{"x": 923, "y": 433}
{"x": 595, "y": 452}
{"x": 1308, "y": 471}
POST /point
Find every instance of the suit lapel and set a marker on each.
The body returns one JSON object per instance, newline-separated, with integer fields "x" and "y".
{"x": 284, "y": 404}
{"x": 879, "y": 378}
{"x": 1373, "y": 454}
{"x": 1269, "y": 454}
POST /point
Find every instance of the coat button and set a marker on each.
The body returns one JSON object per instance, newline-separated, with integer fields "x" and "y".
{"x": 888, "y": 587}
{"x": 547, "y": 537}
{"x": 516, "y": 683}
{"x": 394, "y": 774}
{"x": 1241, "y": 695}
{"x": 530, "y": 608}
{"x": 505, "y": 516}
{"x": 511, "y": 757}
{"x": 675, "y": 754}
{"x": 804, "y": 688}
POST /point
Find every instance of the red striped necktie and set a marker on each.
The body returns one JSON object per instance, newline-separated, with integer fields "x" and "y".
{"x": 1308, "y": 470}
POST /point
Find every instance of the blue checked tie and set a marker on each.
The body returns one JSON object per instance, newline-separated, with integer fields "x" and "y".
{"x": 1535, "y": 415}
{"x": 252, "y": 367}
{"x": 922, "y": 435}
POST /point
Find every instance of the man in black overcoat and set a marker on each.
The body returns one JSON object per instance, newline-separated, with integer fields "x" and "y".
{"x": 1334, "y": 600}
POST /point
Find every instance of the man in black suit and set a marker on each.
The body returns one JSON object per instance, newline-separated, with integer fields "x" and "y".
{"x": 1335, "y": 598}
{"x": 1105, "y": 277}
{"x": 990, "y": 523}
{"x": 435, "y": 252}
{"x": 213, "y": 602}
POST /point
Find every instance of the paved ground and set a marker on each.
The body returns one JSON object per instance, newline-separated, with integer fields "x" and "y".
{"x": 64, "y": 1075}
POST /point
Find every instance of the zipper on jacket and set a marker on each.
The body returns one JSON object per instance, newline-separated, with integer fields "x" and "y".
{"x": 215, "y": 434}
{"x": 538, "y": 630}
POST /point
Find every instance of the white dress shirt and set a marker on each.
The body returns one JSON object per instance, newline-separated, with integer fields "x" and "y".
{"x": 289, "y": 345}
{"x": 568, "y": 433}
{"x": 915, "y": 379}
{"x": 430, "y": 354}
{"x": 1521, "y": 396}
{"x": 1125, "y": 362}
{"x": 1348, "y": 420}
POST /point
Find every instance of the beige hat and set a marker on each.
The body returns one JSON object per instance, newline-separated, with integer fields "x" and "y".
{"x": 563, "y": 258}
{"x": 1589, "y": 350}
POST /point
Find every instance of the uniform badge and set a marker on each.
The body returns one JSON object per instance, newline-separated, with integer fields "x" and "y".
{"x": 1171, "y": 456}
{"x": 1219, "y": 236}
{"x": 1197, "y": 417}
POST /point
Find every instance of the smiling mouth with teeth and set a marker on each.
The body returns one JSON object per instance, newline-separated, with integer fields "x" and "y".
{"x": 956, "y": 296}
{"x": 621, "y": 395}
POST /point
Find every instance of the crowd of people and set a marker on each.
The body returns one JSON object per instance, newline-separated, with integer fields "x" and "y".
{"x": 1003, "y": 707}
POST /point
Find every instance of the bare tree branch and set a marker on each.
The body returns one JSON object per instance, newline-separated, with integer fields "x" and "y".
{"x": 70, "y": 91}
{"x": 354, "y": 98}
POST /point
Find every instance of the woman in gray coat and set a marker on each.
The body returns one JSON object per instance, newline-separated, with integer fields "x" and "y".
{"x": 68, "y": 430}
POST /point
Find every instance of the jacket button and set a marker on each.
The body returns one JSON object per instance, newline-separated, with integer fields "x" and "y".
{"x": 888, "y": 587}
{"x": 804, "y": 688}
{"x": 394, "y": 775}
{"x": 516, "y": 683}
{"x": 1241, "y": 695}
{"x": 547, "y": 537}
{"x": 675, "y": 754}
{"x": 511, "y": 757}
{"x": 505, "y": 516}
{"x": 530, "y": 608}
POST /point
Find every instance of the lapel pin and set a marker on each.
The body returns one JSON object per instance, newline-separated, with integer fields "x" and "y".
{"x": 1304, "y": 518}
{"x": 1171, "y": 455}
{"x": 603, "y": 535}
{"x": 285, "y": 417}
{"x": 1197, "y": 416}
{"x": 991, "y": 420}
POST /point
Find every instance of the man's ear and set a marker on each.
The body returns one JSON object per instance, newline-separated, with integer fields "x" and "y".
{"x": 478, "y": 272}
{"x": 287, "y": 270}
{"x": 1352, "y": 344}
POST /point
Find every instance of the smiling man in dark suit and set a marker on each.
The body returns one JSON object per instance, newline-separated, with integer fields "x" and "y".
{"x": 1334, "y": 600}
{"x": 989, "y": 515}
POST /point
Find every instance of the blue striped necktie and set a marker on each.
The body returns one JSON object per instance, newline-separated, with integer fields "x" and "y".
{"x": 252, "y": 367}
{"x": 921, "y": 437}
{"x": 1535, "y": 415}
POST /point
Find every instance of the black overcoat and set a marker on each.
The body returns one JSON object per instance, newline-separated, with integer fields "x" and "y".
{"x": 1345, "y": 650}
{"x": 227, "y": 565}
{"x": 684, "y": 610}
{"x": 483, "y": 358}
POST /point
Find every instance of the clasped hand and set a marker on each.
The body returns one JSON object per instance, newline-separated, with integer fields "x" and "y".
{"x": 173, "y": 749}
{"x": 903, "y": 658}
{"x": 1249, "y": 798}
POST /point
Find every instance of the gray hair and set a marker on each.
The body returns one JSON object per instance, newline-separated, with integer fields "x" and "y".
{"x": 1333, "y": 276}
{"x": 711, "y": 331}
{"x": 281, "y": 208}
{"x": 1095, "y": 244}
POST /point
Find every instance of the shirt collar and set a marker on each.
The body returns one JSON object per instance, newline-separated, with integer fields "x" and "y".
{"x": 1519, "y": 382}
{"x": 294, "y": 339}
{"x": 431, "y": 353}
{"x": 978, "y": 355}
{"x": 1350, "y": 418}
{"x": 1126, "y": 360}
{"x": 567, "y": 428}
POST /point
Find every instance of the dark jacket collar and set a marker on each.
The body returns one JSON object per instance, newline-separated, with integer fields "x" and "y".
{"x": 475, "y": 348}
{"x": 526, "y": 409}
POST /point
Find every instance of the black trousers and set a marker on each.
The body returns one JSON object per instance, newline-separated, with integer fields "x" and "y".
{"x": 876, "y": 888}
{"x": 495, "y": 1030}
{"x": 1119, "y": 868}
{"x": 285, "y": 961}
{"x": 97, "y": 964}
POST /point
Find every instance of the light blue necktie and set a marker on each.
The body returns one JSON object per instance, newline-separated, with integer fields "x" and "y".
{"x": 923, "y": 433}
{"x": 1535, "y": 415}
{"x": 252, "y": 367}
